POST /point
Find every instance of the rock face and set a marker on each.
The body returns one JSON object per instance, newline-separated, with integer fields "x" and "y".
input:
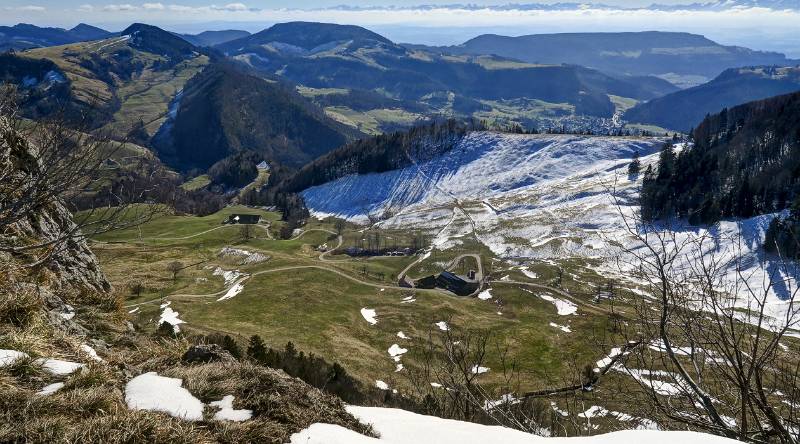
{"x": 72, "y": 265}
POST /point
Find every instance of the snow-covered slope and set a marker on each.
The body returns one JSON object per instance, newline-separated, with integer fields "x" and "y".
{"x": 401, "y": 427}
{"x": 483, "y": 164}
{"x": 542, "y": 197}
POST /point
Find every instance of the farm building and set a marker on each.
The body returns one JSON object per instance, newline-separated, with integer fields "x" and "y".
{"x": 455, "y": 283}
{"x": 247, "y": 219}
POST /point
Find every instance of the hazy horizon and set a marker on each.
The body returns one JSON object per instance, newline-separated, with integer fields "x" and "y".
{"x": 435, "y": 22}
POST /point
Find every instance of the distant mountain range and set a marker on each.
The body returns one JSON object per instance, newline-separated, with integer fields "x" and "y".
{"x": 718, "y": 5}
{"x": 683, "y": 59}
{"x": 685, "y": 109}
{"x": 212, "y": 38}
{"x": 25, "y": 36}
{"x": 327, "y": 56}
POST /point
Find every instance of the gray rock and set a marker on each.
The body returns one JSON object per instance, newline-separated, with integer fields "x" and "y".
{"x": 204, "y": 353}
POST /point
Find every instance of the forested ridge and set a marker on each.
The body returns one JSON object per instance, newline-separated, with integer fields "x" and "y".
{"x": 745, "y": 161}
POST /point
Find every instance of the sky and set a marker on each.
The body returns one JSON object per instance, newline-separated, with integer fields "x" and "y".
{"x": 754, "y": 27}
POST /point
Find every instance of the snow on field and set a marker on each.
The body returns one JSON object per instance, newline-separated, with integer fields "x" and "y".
{"x": 246, "y": 257}
{"x": 230, "y": 276}
{"x": 395, "y": 351}
{"x": 149, "y": 391}
{"x": 233, "y": 291}
{"x": 50, "y": 389}
{"x": 564, "y": 328}
{"x": 58, "y": 366}
{"x": 397, "y": 426}
{"x": 402, "y": 335}
{"x": 442, "y": 325}
{"x": 381, "y": 385}
{"x": 91, "y": 352}
{"x": 477, "y": 369}
{"x": 169, "y": 316}
{"x": 564, "y": 307}
{"x": 482, "y": 165}
{"x": 133, "y": 311}
{"x": 8, "y": 357}
{"x": 369, "y": 315}
{"x": 485, "y": 294}
{"x": 541, "y": 197}
{"x": 227, "y": 412}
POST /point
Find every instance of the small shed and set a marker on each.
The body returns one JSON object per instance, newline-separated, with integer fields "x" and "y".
{"x": 247, "y": 219}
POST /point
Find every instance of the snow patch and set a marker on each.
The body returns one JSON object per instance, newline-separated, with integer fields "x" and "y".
{"x": 150, "y": 391}
{"x": 402, "y": 335}
{"x": 8, "y": 357}
{"x": 59, "y": 367}
{"x": 232, "y": 292}
{"x": 169, "y": 316}
{"x": 396, "y": 351}
{"x": 369, "y": 315}
{"x": 397, "y": 426}
{"x": 381, "y": 385}
{"x": 564, "y": 328}
{"x": 227, "y": 412}
{"x": 50, "y": 389}
{"x": 442, "y": 325}
{"x": 485, "y": 295}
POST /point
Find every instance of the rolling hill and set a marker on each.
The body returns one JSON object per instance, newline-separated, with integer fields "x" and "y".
{"x": 685, "y": 109}
{"x": 25, "y": 36}
{"x": 223, "y": 111}
{"x": 126, "y": 81}
{"x": 682, "y": 58}
{"x": 328, "y": 59}
{"x": 212, "y": 38}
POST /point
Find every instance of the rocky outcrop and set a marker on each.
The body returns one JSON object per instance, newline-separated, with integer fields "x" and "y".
{"x": 71, "y": 265}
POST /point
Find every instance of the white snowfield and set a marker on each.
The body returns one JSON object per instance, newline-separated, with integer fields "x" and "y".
{"x": 401, "y": 427}
{"x": 543, "y": 197}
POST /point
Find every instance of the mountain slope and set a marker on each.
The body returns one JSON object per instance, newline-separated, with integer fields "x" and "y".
{"x": 127, "y": 81}
{"x": 25, "y": 36}
{"x": 324, "y": 57}
{"x": 223, "y": 111}
{"x": 685, "y": 109}
{"x": 212, "y": 38}
{"x": 680, "y": 57}
{"x": 745, "y": 162}
{"x": 305, "y": 35}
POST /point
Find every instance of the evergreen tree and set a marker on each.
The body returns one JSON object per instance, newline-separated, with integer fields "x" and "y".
{"x": 635, "y": 165}
{"x": 256, "y": 350}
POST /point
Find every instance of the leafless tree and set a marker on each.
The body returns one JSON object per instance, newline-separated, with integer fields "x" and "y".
{"x": 716, "y": 357}
{"x": 47, "y": 161}
{"x": 175, "y": 267}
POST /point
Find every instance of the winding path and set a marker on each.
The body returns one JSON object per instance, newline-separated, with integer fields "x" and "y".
{"x": 289, "y": 268}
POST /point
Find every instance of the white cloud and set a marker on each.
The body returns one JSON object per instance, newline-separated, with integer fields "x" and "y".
{"x": 231, "y": 7}
{"x": 153, "y": 6}
{"x": 29, "y": 8}
{"x": 117, "y": 8}
{"x": 85, "y": 8}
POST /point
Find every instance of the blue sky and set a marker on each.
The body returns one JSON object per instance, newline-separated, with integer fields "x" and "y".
{"x": 758, "y": 28}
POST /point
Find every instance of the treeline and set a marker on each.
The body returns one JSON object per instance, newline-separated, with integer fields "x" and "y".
{"x": 236, "y": 170}
{"x": 745, "y": 161}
